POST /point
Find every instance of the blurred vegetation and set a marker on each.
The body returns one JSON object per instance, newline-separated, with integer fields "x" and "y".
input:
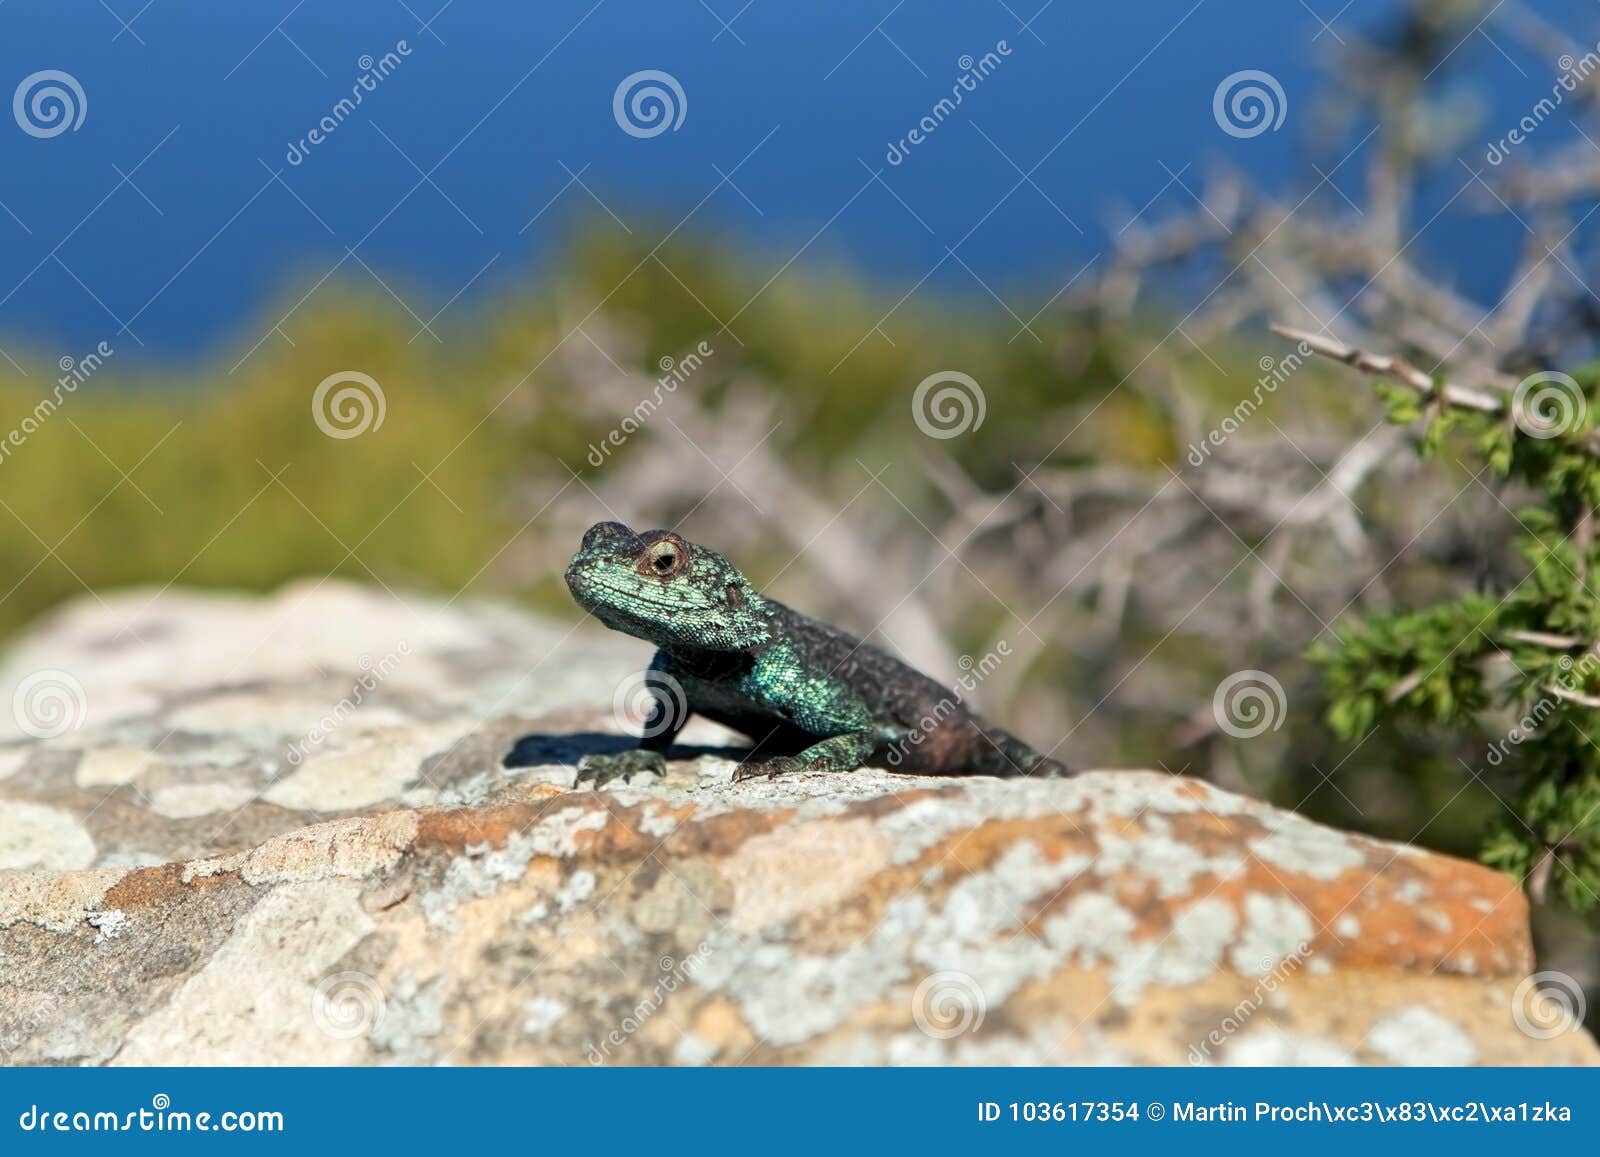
{"x": 218, "y": 477}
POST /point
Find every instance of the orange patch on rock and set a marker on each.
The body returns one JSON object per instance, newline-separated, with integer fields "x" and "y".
{"x": 146, "y": 886}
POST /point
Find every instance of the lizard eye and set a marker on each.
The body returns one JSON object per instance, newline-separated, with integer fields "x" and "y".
{"x": 735, "y": 596}
{"x": 664, "y": 558}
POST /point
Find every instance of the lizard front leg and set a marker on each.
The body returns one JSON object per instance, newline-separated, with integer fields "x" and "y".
{"x": 844, "y": 752}
{"x": 668, "y": 713}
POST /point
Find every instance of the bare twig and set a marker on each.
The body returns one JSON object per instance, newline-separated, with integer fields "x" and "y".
{"x": 1545, "y": 639}
{"x": 1577, "y": 697}
{"x": 1388, "y": 366}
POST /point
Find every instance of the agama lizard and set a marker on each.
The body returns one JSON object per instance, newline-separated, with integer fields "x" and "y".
{"x": 823, "y": 699}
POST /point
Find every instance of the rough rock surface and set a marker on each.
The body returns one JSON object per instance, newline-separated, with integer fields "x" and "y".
{"x": 334, "y": 826}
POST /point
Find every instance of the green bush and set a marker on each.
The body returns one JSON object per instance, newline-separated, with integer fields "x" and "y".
{"x": 1517, "y": 672}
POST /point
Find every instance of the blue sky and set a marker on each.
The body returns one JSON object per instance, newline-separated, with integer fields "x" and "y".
{"x": 173, "y": 214}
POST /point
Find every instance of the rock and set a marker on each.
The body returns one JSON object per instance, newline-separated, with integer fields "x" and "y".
{"x": 333, "y": 826}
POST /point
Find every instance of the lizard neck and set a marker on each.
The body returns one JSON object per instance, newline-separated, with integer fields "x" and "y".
{"x": 704, "y": 663}
{"x": 715, "y": 663}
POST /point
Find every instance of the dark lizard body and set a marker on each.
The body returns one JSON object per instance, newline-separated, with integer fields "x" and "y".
{"x": 810, "y": 696}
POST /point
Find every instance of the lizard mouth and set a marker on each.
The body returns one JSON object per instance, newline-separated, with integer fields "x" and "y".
{"x": 634, "y": 596}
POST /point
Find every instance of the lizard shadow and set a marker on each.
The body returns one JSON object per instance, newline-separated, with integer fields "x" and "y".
{"x": 540, "y": 749}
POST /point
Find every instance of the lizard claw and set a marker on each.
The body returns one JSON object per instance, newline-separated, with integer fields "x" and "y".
{"x": 602, "y": 769}
{"x": 769, "y": 768}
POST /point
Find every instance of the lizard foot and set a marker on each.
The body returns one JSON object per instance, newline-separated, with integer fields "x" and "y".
{"x": 770, "y": 768}
{"x": 602, "y": 769}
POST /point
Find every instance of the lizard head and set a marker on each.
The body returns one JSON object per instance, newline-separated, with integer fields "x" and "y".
{"x": 660, "y": 587}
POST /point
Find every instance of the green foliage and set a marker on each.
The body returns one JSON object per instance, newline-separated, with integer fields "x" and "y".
{"x": 1517, "y": 672}
{"x": 230, "y": 483}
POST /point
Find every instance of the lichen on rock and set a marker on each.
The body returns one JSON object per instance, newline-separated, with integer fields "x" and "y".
{"x": 422, "y": 883}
